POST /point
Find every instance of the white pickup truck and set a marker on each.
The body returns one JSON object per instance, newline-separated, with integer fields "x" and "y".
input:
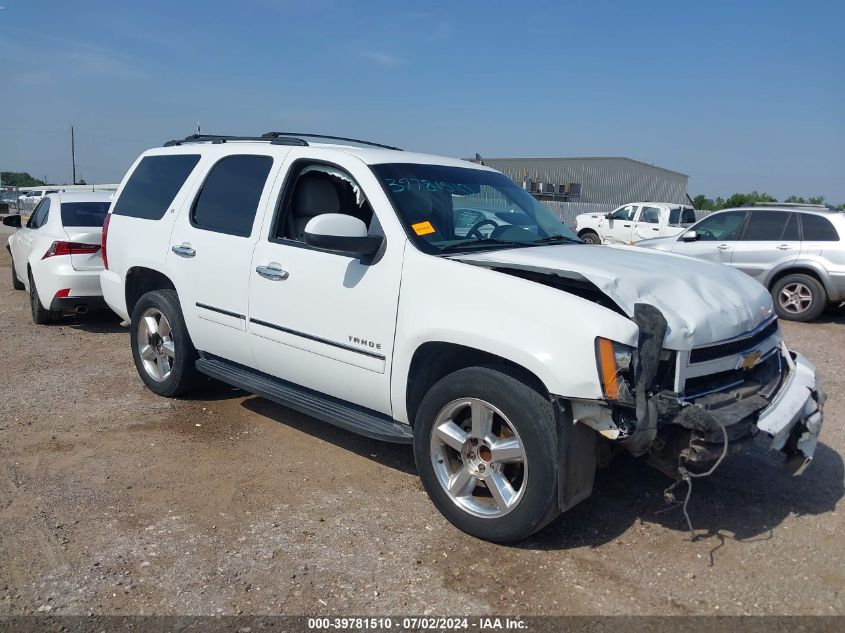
{"x": 431, "y": 301}
{"x": 634, "y": 222}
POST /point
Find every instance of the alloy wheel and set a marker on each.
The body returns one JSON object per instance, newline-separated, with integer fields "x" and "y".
{"x": 795, "y": 298}
{"x": 155, "y": 344}
{"x": 479, "y": 458}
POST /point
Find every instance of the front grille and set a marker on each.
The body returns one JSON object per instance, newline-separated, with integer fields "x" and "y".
{"x": 702, "y": 354}
{"x": 764, "y": 373}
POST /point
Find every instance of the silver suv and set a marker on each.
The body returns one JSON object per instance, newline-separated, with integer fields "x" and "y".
{"x": 796, "y": 252}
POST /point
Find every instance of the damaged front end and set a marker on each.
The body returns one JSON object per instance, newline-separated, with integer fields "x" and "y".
{"x": 687, "y": 409}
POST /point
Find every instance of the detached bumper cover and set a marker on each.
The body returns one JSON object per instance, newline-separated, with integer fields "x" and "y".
{"x": 796, "y": 411}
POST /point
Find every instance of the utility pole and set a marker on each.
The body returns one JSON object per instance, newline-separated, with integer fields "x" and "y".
{"x": 73, "y": 153}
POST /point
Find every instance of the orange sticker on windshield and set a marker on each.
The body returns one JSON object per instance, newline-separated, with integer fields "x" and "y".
{"x": 423, "y": 228}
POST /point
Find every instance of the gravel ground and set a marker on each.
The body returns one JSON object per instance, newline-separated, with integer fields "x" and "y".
{"x": 115, "y": 501}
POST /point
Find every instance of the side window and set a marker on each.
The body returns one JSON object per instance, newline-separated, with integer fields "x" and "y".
{"x": 39, "y": 216}
{"x": 688, "y": 216}
{"x": 314, "y": 189}
{"x": 765, "y": 226}
{"x": 625, "y": 213}
{"x": 818, "y": 229}
{"x": 228, "y": 199}
{"x": 31, "y": 222}
{"x": 650, "y": 215}
{"x": 153, "y": 185}
{"x": 790, "y": 233}
{"x": 720, "y": 226}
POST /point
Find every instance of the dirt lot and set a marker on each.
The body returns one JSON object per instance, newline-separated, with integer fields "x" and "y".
{"x": 115, "y": 501}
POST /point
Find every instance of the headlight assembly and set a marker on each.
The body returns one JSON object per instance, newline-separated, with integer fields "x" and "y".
{"x": 615, "y": 362}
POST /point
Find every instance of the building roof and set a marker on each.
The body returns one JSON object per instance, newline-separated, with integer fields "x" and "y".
{"x": 488, "y": 159}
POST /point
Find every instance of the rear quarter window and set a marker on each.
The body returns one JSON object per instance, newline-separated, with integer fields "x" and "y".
{"x": 818, "y": 229}
{"x": 153, "y": 185}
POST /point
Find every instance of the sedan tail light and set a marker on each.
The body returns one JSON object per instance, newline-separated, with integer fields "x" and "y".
{"x": 70, "y": 248}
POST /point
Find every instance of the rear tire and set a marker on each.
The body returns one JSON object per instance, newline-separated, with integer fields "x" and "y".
{"x": 486, "y": 449}
{"x": 40, "y": 314}
{"x": 17, "y": 284}
{"x": 162, "y": 349}
{"x": 799, "y": 297}
{"x": 590, "y": 237}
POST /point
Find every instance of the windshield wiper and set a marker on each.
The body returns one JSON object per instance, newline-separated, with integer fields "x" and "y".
{"x": 488, "y": 241}
{"x": 551, "y": 239}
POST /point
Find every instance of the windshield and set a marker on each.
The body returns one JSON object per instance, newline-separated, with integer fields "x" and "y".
{"x": 84, "y": 213}
{"x": 456, "y": 209}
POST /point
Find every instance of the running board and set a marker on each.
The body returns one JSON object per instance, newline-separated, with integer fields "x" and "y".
{"x": 332, "y": 410}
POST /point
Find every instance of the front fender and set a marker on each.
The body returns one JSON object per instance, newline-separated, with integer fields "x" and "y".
{"x": 547, "y": 331}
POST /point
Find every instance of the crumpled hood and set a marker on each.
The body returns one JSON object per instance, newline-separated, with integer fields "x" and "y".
{"x": 703, "y": 302}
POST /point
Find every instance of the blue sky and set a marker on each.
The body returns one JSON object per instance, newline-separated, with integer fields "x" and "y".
{"x": 739, "y": 95}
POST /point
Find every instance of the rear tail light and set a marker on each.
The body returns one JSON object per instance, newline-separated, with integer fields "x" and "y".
{"x": 104, "y": 238}
{"x": 70, "y": 248}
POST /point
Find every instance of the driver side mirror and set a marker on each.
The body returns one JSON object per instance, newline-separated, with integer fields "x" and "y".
{"x": 689, "y": 236}
{"x": 342, "y": 234}
{"x": 608, "y": 216}
{"x": 13, "y": 220}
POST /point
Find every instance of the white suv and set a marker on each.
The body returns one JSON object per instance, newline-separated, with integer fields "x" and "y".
{"x": 427, "y": 300}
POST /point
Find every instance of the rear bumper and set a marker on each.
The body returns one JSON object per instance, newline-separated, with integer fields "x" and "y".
{"x": 112, "y": 288}
{"x": 78, "y": 305}
{"x": 55, "y": 274}
{"x": 836, "y": 290}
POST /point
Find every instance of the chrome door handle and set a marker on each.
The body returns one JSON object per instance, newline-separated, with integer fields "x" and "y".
{"x": 183, "y": 250}
{"x": 784, "y": 247}
{"x": 272, "y": 272}
{"x": 722, "y": 247}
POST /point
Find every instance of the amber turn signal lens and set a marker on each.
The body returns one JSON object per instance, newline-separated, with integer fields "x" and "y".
{"x": 608, "y": 369}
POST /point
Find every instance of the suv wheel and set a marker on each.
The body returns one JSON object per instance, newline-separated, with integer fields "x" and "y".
{"x": 16, "y": 283}
{"x": 161, "y": 346}
{"x": 799, "y": 297}
{"x": 40, "y": 314}
{"x": 589, "y": 237}
{"x": 486, "y": 449}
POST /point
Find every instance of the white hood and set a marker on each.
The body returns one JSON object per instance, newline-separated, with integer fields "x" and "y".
{"x": 703, "y": 302}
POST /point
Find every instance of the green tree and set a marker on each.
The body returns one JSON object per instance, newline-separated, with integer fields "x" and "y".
{"x": 796, "y": 200}
{"x": 817, "y": 200}
{"x": 19, "y": 179}
{"x": 746, "y": 199}
{"x": 702, "y": 202}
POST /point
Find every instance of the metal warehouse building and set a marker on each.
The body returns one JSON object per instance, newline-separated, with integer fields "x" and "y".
{"x": 570, "y": 186}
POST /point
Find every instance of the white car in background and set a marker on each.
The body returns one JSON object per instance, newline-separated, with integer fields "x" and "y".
{"x": 56, "y": 255}
{"x": 634, "y": 222}
{"x": 28, "y": 201}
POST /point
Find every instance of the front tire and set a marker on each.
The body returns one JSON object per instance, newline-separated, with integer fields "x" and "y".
{"x": 17, "y": 284}
{"x": 486, "y": 449}
{"x": 590, "y": 237}
{"x": 161, "y": 346}
{"x": 40, "y": 314}
{"x": 799, "y": 297}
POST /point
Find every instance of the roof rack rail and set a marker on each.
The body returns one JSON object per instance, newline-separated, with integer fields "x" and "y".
{"x": 796, "y": 205}
{"x": 274, "y": 135}
{"x": 223, "y": 138}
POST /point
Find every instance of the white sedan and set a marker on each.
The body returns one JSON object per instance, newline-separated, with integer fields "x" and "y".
{"x": 56, "y": 256}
